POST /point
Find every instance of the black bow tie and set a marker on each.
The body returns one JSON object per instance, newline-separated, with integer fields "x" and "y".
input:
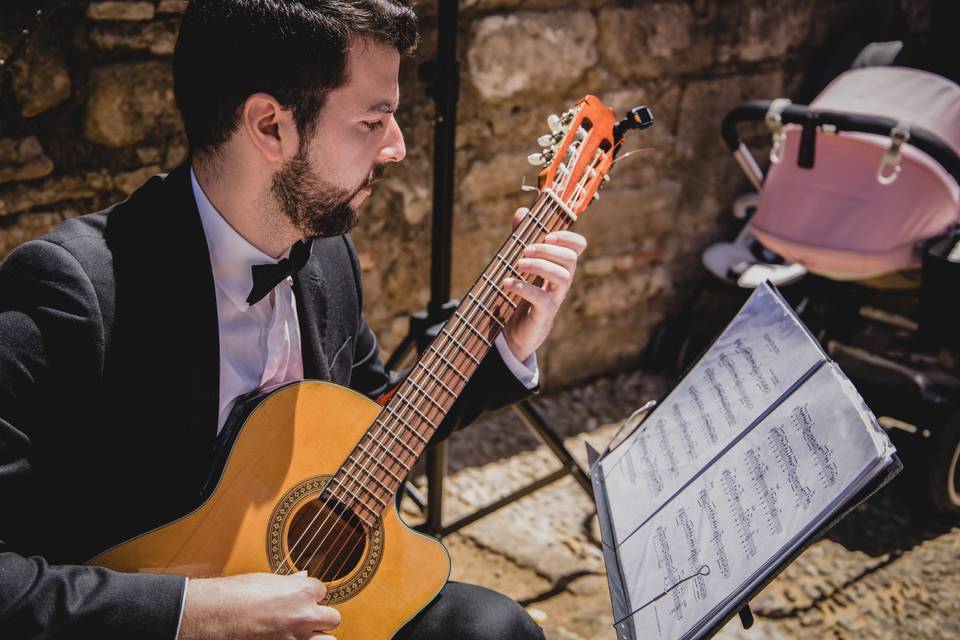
{"x": 267, "y": 276}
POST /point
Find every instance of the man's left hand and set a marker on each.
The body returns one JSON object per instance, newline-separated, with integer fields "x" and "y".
{"x": 555, "y": 261}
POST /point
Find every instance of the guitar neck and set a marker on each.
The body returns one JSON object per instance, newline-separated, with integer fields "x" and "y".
{"x": 386, "y": 453}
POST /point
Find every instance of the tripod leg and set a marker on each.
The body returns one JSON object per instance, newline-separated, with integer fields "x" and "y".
{"x": 536, "y": 422}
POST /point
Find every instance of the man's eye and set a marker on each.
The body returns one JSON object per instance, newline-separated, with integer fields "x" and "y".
{"x": 374, "y": 125}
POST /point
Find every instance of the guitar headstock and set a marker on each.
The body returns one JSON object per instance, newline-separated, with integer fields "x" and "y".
{"x": 581, "y": 147}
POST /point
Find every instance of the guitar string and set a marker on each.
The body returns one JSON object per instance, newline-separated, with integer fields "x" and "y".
{"x": 414, "y": 404}
{"x": 436, "y": 358}
{"x": 423, "y": 388}
{"x": 561, "y": 218}
{"x": 439, "y": 356}
{"x": 427, "y": 394}
{"x": 345, "y": 557}
{"x": 418, "y": 376}
{"x": 548, "y": 228}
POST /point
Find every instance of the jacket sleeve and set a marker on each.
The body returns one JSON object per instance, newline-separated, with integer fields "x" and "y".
{"x": 492, "y": 386}
{"x": 51, "y": 345}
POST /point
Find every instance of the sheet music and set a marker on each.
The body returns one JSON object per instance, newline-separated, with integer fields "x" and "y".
{"x": 697, "y": 520}
{"x": 741, "y": 374}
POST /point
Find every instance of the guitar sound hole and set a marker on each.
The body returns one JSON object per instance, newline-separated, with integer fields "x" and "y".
{"x": 326, "y": 539}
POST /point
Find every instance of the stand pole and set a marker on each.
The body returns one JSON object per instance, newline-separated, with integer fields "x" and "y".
{"x": 443, "y": 76}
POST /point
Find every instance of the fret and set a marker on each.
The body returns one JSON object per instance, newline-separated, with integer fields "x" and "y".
{"x": 448, "y": 363}
{"x": 563, "y": 205}
{"x": 358, "y": 498}
{"x": 385, "y": 448}
{"x": 499, "y": 290}
{"x": 400, "y": 440}
{"x": 519, "y": 240}
{"x": 473, "y": 328}
{"x": 426, "y": 394}
{"x": 417, "y": 410}
{"x": 510, "y": 267}
{"x": 453, "y": 394}
{"x": 380, "y": 482}
{"x": 484, "y": 307}
{"x": 460, "y": 346}
{"x": 378, "y": 463}
{"x": 536, "y": 219}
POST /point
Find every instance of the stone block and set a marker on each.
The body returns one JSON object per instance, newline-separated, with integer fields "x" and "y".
{"x": 22, "y": 197}
{"x": 28, "y": 226}
{"x": 705, "y": 102}
{"x": 754, "y": 31}
{"x": 172, "y": 6}
{"x": 498, "y": 176}
{"x": 506, "y": 53}
{"x": 23, "y": 159}
{"x": 40, "y": 79}
{"x": 128, "y": 101}
{"x": 656, "y": 39}
{"x": 128, "y": 181}
{"x": 120, "y": 10}
{"x": 157, "y": 37}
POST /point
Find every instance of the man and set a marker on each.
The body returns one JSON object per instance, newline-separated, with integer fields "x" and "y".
{"x": 126, "y": 335}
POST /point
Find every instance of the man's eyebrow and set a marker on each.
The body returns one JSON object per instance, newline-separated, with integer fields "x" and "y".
{"x": 382, "y": 107}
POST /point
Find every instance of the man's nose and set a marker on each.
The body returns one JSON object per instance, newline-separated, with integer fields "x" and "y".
{"x": 394, "y": 149}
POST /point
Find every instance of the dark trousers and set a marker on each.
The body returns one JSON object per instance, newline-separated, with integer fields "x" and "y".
{"x": 468, "y": 612}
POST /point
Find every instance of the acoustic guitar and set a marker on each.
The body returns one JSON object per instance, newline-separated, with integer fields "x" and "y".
{"x": 309, "y": 481}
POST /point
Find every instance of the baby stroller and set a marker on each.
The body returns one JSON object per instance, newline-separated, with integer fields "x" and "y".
{"x": 857, "y": 217}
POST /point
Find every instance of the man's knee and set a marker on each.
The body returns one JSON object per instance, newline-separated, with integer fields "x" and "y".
{"x": 468, "y": 612}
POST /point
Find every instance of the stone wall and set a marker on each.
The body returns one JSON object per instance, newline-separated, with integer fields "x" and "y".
{"x": 87, "y": 113}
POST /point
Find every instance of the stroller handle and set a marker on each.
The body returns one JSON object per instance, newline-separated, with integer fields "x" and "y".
{"x": 756, "y": 111}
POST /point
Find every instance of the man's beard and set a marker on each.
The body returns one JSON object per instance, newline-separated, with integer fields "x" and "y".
{"x": 315, "y": 209}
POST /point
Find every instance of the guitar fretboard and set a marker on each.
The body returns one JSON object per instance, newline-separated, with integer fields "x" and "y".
{"x": 384, "y": 456}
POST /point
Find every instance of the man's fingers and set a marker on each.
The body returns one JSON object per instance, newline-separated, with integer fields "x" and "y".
{"x": 518, "y": 216}
{"x": 569, "y": 239}
{"x": 551, "y": 272}
{"x": 319, "y": 589}
{"x": 564, "y": 256}
{"x": 325, "y": 618}
{"x": 540, "y": 300}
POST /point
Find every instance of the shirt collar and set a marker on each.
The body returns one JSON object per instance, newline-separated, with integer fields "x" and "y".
{"x": 231, "y": 256}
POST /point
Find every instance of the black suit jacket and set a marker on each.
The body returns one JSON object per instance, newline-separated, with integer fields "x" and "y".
{"x": 109, "y": 381}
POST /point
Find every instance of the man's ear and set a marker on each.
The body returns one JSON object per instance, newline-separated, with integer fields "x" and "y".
{"x": 270, "y": 128}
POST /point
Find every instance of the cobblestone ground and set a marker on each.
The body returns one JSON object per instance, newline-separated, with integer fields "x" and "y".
{"x": 890, "y": 569}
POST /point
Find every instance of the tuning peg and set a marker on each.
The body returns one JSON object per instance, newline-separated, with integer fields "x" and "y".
{"x": 545, "y": 140}
{"x": 553, "y": 121}
{"x": 596, "y": 196}
{"x": 536, "y": 159}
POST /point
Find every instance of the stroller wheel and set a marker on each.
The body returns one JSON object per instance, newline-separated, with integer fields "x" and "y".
{"x": 944, "y": 473}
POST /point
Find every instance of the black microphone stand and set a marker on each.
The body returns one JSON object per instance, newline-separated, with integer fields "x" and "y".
{"x": 443, "y": 76}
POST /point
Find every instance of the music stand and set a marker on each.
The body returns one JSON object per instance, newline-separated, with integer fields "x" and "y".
{"x": 443, "y": 76}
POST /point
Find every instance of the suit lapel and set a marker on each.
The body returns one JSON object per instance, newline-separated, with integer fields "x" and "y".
{"x": 195, "y": 321}
{"x": 309, "y": 288}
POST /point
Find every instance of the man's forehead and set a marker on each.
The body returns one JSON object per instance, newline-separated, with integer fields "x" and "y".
{"x": 371, "y": 77}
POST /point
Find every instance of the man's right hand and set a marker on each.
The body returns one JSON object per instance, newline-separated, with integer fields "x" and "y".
{"x": 256, "y": 605}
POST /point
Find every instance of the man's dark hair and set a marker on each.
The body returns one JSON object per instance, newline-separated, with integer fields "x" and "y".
{"x": 294, "y": 50}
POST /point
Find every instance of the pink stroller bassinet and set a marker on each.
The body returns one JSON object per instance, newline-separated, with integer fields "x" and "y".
{"x": 847, "y": 217}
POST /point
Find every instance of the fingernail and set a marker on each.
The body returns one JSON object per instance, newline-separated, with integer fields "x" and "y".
{"x": 523, "y": 263}
{"x": 552, "y": 237}
{"x": 508, "y": 283}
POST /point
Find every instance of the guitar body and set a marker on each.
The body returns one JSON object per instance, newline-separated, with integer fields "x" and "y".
{"x": 286, "y": 450}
